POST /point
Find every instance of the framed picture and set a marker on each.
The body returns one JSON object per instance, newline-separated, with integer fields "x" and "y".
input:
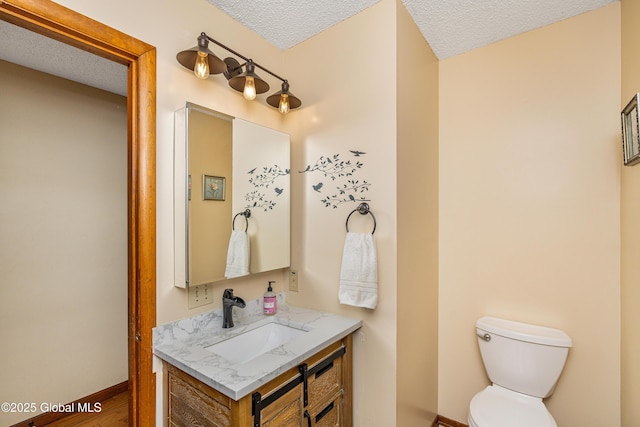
{"x": 631, "y": 132}
{"x": 213, "y": 187}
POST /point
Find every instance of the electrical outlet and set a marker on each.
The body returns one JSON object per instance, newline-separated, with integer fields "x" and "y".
{"x": 200, "y": 295}
{"x": 293, "y": 280}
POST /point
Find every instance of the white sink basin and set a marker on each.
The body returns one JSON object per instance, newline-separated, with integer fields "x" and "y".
{"x": 253, "y": 343}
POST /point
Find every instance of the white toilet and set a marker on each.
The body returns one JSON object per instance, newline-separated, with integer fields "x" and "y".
{"x": 523, "y": 363}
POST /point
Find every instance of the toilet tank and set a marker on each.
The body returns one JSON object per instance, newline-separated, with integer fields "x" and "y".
{"x": 522, "y": 357}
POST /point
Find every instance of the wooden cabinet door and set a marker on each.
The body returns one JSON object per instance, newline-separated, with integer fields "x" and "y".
{"x": 192, "y": 403}
{"x": 284, "y": 412}
{"x": 325, "y": 391}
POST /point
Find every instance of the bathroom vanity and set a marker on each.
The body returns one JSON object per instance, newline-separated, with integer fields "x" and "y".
{"x": 315, "y": 393}
{"x": 291, "y": 369}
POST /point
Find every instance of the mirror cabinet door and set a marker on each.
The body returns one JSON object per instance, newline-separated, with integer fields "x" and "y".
{"x": 180, "y": 194}
{"x": 225, "y": 168}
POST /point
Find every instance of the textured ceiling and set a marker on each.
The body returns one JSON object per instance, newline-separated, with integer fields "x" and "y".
{"x": 450, "y": 27}
{"x": 31, "y": 50}
{"x": 285, "y": 23}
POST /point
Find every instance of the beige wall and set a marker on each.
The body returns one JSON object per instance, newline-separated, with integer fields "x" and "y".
{"x": 630, "y": 230}
{"x": 529, "y": 207}
{"x": 417, "y": 195}
{"x": 63, "y": 239}
{"x": 346, "y": 77}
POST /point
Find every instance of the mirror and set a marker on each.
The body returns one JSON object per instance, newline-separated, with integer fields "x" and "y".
{"x": 231, "y": 197}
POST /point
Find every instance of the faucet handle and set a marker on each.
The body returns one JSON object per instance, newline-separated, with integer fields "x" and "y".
{"x": 228, "y": 293}
{"x": 239, "y": 302}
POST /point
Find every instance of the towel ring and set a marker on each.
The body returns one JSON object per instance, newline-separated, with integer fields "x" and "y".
{"x": 362, "y": 209}
{"x": 246, "y": 214}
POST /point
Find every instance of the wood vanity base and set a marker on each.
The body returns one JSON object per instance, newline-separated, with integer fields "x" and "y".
{"x": 315, "y": 394}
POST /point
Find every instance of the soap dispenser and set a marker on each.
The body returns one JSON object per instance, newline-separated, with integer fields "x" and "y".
{"x": 269, "y": 301}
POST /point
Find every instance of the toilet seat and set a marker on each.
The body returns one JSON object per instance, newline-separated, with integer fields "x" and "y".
{"x": 496, "y": 406}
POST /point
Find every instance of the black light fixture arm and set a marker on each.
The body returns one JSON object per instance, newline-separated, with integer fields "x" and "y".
{"x": 203, "y": 34}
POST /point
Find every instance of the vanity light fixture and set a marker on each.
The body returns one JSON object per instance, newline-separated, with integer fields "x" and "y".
{"x": 204, "y": 62}
{"x": 284, "y": 100}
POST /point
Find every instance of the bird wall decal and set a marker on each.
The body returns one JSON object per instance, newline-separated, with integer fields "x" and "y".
{"x": 340, "y": 172}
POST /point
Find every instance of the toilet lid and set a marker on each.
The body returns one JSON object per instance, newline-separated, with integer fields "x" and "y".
{"x": 498, "y": 407}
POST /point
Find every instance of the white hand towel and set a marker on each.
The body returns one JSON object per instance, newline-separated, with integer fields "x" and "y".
{"x": 237, "y": 255}
{"x": 359, "y": 272}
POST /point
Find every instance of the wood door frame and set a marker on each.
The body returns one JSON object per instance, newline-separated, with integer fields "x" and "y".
{"x": 57, "y": 22}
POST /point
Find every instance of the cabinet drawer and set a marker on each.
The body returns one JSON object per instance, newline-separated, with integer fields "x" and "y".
{"x": 325, "y": 382}
{"x": 284, "y": 412}
{"x": 329, "y": 416}
{"x": 189, "y": 406}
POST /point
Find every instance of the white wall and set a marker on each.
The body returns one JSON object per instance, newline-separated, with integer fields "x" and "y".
{"x": 63, "y": 239}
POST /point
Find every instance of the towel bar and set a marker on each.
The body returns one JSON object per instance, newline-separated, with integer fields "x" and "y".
{"x": 246, "y": 214}
{"x": 362, "y": 209}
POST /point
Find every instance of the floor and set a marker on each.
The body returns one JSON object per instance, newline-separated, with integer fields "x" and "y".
{"x": 114, "y": 413}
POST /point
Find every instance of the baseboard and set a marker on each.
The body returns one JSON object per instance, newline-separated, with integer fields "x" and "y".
{"x": 100, "y": 396}
{"x": 446, "y": 422}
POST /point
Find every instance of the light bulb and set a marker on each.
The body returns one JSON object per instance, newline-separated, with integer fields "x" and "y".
{"x": 201, "y": 68}
{"x": 284, "y": 103}
{"x": 249, "y": 89}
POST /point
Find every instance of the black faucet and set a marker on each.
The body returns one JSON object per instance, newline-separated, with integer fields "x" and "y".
{"x": 228, "y": 302}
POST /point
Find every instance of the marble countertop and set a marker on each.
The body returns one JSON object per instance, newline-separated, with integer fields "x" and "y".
{"x": 183, "y": 344}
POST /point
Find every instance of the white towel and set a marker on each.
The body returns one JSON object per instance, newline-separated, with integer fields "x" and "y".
{"x": 237, "y": 255}
{"x": 359, "y": 272}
